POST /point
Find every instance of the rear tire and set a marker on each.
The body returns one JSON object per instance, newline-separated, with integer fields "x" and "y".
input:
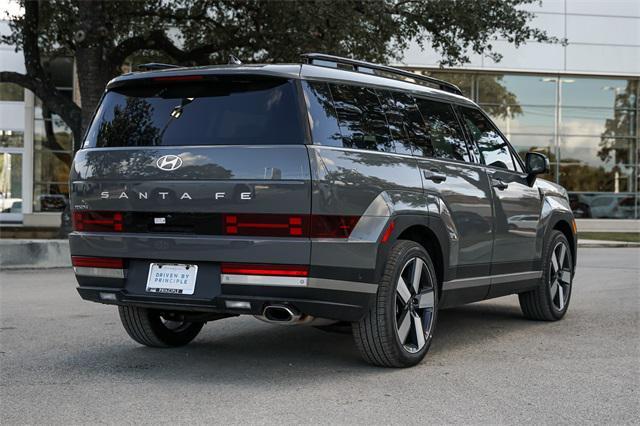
{"x": 550, "y": 301}
{"x": 397, "y": 330}
{"x": 156, "y": 329}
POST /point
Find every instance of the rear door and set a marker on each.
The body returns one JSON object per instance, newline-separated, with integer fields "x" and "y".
{"x": 517, "y": 204}
{"x": 462, "y": 195}
{"x": 199, "y": 169}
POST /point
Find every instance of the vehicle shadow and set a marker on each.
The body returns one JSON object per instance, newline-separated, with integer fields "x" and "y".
{"x": 243, "y": 350}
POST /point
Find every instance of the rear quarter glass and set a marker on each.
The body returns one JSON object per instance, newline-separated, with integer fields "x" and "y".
{"x": 214, "y": 111}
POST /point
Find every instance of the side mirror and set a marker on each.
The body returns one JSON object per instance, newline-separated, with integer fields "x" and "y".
{"x": 537, "y": 164}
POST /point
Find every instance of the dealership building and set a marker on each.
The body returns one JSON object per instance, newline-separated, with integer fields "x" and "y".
{"x": 578, "y": 102}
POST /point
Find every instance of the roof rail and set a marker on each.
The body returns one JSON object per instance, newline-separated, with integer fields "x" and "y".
{"x": 382, "y": 70}
{"x": 155, "y": 66}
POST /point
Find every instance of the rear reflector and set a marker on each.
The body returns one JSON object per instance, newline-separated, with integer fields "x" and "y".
{"x": 389, "y": 231}
{"x": 261, "y": 269}
{"x": 97, "y": 221}
{"x": 97, "y": 262}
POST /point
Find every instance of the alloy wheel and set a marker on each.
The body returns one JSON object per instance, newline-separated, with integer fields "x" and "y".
{"x": 560, "y": 276}
{"x": 415, "y": 304}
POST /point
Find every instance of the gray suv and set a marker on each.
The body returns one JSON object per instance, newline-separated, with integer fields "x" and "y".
{"x": 331, "y": 191}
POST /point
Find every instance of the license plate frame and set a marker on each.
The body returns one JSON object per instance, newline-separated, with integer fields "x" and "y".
{"x": 172, "y": 278}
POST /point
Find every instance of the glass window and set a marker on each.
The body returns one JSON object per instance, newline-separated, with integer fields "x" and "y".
{"x": 599, "y": 92}
{"x": 413, "y": 122}
{"x": 395, "y": 115}
{"x": 10, "y": 183}
{"x": 11, "y": 92}
{"x": 323, "y": 118}
{"x": 493, "y": 148}
{"x": 362, "y": 120}
{"x": 50, "y": 196}
{"x": 522, "y": 119}
{"x": 445, "y": 138}
{"x": 598, "y": 121}
{"x": 11, "y": 139}
{"x": 500, "y": 89}
{"x": 229, "y": 111}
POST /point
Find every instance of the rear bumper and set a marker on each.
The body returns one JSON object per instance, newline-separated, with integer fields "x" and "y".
{"x": 323, "y": 303}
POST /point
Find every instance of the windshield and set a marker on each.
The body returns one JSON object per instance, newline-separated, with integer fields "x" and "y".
{"x": 219, "y": 111}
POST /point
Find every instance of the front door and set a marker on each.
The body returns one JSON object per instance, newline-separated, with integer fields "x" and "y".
{"x": 517, "y": 205}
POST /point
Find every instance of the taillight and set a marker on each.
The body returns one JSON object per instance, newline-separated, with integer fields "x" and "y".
{"x": 97, "y": 262}
{"x": 325, "y": 226}
{"x": 97, "y": 221}
{"x": 262, "y": 269}
{"x": 266, "y": 225}
{"x": 280, "y": 225}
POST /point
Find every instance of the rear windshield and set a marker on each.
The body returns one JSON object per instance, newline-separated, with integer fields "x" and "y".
{"x": 223, "y": 111}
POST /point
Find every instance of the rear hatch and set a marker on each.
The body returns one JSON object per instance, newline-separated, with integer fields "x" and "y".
{"x": 195, "y": 168}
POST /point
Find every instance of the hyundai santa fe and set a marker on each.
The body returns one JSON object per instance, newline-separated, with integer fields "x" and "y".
{"x": 328, "y": 191}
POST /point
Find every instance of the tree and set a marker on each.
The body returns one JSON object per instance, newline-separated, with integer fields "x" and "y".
{"x": 102, "y": 36}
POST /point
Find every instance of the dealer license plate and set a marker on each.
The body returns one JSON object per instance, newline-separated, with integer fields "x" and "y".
{"x": 171, "y": 278}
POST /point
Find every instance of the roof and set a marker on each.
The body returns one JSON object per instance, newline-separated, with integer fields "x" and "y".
{"x": 294, "y": 71}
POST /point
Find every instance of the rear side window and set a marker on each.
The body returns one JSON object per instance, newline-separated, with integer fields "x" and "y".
{"x": 443, "y": 131}
{"x": 361, "y": 118}
{"x": 223, "y": 111}
{"x": 323, "y": 119}
{"x": 493, "y": 148}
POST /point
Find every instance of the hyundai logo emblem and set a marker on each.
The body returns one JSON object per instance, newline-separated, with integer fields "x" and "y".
{"x": 169, "y": 163}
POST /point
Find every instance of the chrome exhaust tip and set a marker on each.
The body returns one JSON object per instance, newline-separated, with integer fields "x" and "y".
{"x": 280, "y": 314}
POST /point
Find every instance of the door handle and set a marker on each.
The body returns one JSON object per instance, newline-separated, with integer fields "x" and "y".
{"x": 434, "y": 175}
{"x": 499, "y": 184}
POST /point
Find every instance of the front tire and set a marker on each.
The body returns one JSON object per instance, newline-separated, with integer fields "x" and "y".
{"x": 550, "y": 301}
{"x": 157, "y": 329}
{"x": 398, "y": 329}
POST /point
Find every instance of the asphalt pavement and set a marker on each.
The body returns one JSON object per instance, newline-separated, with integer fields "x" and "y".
{"x": 63, "y": 360}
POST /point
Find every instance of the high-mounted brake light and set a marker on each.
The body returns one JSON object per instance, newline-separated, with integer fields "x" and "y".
{"x": 97, "y": 221}
{"x": 262, "y": 269}
{"x": 179, "y": 78}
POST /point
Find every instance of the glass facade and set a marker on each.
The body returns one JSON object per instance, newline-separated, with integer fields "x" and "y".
{"x": 587, "y": 126}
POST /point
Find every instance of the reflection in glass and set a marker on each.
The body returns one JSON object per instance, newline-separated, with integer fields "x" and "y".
{"x": 362, "y": 120}
{"x": 10, "y": 183}
{"x": 198, "y": 113}
{"x": 50, "y": 196}
{"x": 501, "y": 89}
{"x": 11, "y": 139}
{"x": 532, "y": 119}
{"x": 494, "y": 150}
{"x": 322, "y": 115}
{"x": 444, "y": 132}
{"x": 600, "y": 92}
{"x": 597, "y": 121}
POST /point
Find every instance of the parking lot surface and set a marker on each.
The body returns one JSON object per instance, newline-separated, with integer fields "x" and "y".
{"x": 63, "y": 360}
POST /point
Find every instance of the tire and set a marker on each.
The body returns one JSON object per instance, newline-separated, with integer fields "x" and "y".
{"x": 157, "y": 330}
{"x": 382, "y": 336}
{"x": 550, "y": 301}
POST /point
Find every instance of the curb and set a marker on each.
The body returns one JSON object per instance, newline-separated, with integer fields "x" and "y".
{"x": 34, "y": 254}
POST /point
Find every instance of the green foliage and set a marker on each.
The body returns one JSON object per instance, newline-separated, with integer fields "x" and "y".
{"x": 206, "y": 31}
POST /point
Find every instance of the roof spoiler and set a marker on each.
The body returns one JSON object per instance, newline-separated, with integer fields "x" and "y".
{"x": 332, "y": 61}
